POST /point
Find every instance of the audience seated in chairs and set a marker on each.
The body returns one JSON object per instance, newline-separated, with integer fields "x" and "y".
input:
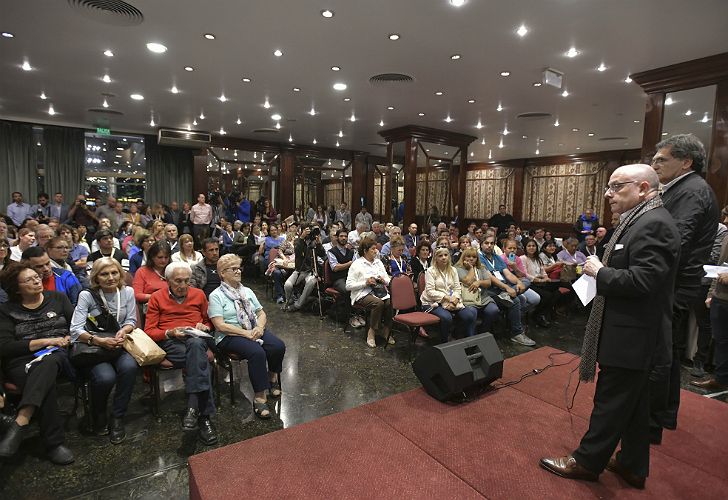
{"x": 397, "y": 262}
{"x": 151, "y": 277}
{"x": 475, "y": 281}
{"x": 240, "y": 330}
{"x": 530, "y": 299}
{"x": 551, "y": 265}
{"x": 307, "y": 249}
{"x": 273, "y": 240}
{"x": 540, "y": 282}
{"x": 281, "y": 267}
{"x": 143, "y": 241}
{"x": 422, "y": 260}
{"x": 442, "y": 296}
{"x": 366, "y": 281}
{"x": 187, "y": 253}
{"x": 34, "y": 320}
{"x": 58, "y": 249}
{"x": 341, "y": 257}
{"x": 54, "y": 278}
{"x": 105, "y": 239}
{"x": 204, "y": 274}
{"x": 107, "y": 290}
{"x": 171, "y": 314}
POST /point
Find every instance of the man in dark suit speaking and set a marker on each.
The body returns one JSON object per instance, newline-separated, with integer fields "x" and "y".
{"x": 631, "y": 316}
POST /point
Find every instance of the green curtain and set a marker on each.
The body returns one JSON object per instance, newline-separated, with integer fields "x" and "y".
{"x": 64, "y": 161}
{"x": 169, "y": 173}
{"x": 17, "y": 162}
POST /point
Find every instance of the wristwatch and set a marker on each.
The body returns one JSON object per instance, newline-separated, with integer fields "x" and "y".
{"x": 90, "y": 340}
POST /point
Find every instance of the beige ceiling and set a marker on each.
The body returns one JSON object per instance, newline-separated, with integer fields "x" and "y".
{"x": 65, "y": 50}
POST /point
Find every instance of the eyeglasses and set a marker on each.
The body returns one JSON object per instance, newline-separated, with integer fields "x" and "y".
{"x": 32, "y": 279}
{"x": 616, "y": 187}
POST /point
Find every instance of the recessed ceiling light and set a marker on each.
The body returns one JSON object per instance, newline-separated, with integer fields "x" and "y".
{"x": 628, "y": 79}
{"x": 590, "y": 134}
{"x": 328, "y": 14}
{"x": 635, "y": 121}
{"x": 439, "y": 92}
{"x": 471, "y": 101}
{"x": 278, "y": 52}
{"x": 189, "y": 68}
{"x": 266, "y": 104}
{"x": 688, "y": 112}
{"x": 26, "y": 66}
{"x": 313, "y": 111}
{"x": 500, "y": 144}
{"x": 505, "y": 130}
{"x": 448, "y": 119}
{"x": 556, "y": 123}
{"x": 108, "y": 53}
{"x": 106, "y": 79}
{"x": 278, "y": 125}
{"x": 524, "y": 137}
{"x": 664, "y": 133}
{"x": 536, "y": 84}
{"x": 457, "y": 3}
{"x": 572, "y": 52}
{"x": 575, "y": 129}
{"x": 393, "y": 36}
{"x": 202, "y": 115}
{"x": 194, "y": 122}
{"x": 602, "y": 67}
{"x": 239, "y": 122}
{"x": 578, "y": 148}
{"x": 209, "y": 36}
{"x": 151, "y": 122}
{"x": 341, "y": 133}
{"x": 522, "y": 30}
{"x": 339, "y": 86}
{"x": 174, "y": 89}
{"x": 157, "y": 48}
{"x": 222, "y": 98}
{"x": 483, "y": 141}
{"x": 479, "y": 125}
{"x": 669, "y": 101}
{"x": 455, "y": 57}
{"x": 499, "y": 108}
{"x": 390, "y": 108}
{"x": 105, "y": 104}
{"x": 705, "y": 118}
{"x": 43, "y": 96}
{"x": 245, "y": 79}
{"x": 381, "y": 123}
{"x": 347, "y": 99}
{"x": 290, "y": 138}
{"x": 352, "y": 118}
{"x": 314, "y": 141}
{"x": 222, "y": 131}
{"x": 296, "y": 89}
{"x": 505, "y": 73}
{"x": 565, "y": 93}
{"x": 420, "y": 114}
{"x": 7, "y": 34}
{"x": 137, "y": 97}
{"x": 51, "y": 111}
{"x": 276, "y": 117}
{"x": 335, "y": 68}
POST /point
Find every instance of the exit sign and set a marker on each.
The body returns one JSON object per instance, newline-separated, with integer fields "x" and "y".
{"x": 103, "y": 131}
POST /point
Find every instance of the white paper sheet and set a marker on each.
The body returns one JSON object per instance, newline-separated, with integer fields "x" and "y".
{"x": 585, "y": 288}
{"x": 713, "y": 271}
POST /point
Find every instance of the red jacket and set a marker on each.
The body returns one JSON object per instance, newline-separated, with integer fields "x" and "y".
{"x": 164, "y": 313}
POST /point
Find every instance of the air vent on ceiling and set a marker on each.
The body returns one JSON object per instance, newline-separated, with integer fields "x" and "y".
{"x": 106, "y": 111}
{"x": 114, "y": 12}
{"x": 387, "y": 78}
{"x": 613, "y": 138}
{"x": 183, "y": 138}
{"x": 266, "y": 130}
{"x": 534, "y": 115}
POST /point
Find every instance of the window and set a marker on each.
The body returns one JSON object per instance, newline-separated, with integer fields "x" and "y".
{"x": 115, "y": 165}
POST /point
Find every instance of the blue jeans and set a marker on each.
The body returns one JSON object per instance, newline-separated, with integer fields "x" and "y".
{"x": 261, "y": 358}
{"x": 488, "y": 315}
{"x": 529, "y": 300}
{"x": 719, "y": 323}
{"x": 279, "y": 277}
{"x": 102, "y": 377}
{"x": 467, "y": 317}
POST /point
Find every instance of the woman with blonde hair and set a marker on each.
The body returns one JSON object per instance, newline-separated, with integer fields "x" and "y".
{"x": 113, "y": 307}
{"x": 475, "y": 281}
{"x": 187, "y": 252}
{"x": 442, "y": 296}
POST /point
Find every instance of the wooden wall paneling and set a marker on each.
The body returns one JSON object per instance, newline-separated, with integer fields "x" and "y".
{"x": 371, "y": 173}
{"x": 717, "y": 174}
{"x": 199, "y": 176}
{"x": 459, "y": 194}
{"x": 358, "y": 182}
{"x": 654, "y": 113}
{"x": 516, "y": 205}
{"x": 286, "y": 183}
{"x": 410, "y": 180}
{"x": 391, "y": 186}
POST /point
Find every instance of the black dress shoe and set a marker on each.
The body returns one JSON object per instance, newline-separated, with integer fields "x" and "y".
{"x": 542, "y": 321}
{"x": 118, "y": 434}
{"x": 189, "y": 422}
{"x": 5, "y": 421}
{"x": 631, "y": 479}
{"x": 101, "y": 425}
{"x": 207, "y": 431}
{"x": 60, "y": 455}
{"x": 698, "y": 369}
{"x": 710, "y": 385}
{"x": 11, "y": 442}
{"x": 568, "y": 468}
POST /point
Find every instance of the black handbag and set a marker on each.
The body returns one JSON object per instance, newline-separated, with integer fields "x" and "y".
{"x": 103, "y": 325}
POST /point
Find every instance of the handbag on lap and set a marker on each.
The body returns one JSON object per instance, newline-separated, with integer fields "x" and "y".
{"x": 102, "y": 325}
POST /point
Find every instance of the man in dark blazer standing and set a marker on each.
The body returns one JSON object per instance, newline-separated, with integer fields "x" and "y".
{"x": 631, "y": 317}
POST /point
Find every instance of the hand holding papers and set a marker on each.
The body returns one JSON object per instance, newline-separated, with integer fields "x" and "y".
{"x": 585, "y": 288}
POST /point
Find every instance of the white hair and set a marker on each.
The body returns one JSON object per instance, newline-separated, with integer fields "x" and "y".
{"x": 176, "y": 266}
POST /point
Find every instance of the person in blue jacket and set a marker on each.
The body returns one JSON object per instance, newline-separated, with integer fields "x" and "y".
{"x": 54, "y": 278}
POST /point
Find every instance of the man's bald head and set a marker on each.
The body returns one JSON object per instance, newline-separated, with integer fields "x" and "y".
{"x": 630, "y": 185}
{"x": 640, "y": 172}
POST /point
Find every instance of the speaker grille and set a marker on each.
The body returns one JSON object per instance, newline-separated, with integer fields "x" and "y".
{"x": 114, "y": 12}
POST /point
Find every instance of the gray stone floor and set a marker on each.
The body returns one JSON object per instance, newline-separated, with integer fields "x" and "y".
{"x": 326, "y": 370}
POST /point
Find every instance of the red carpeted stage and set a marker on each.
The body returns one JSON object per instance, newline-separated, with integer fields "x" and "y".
{"x": 412, "y": 446}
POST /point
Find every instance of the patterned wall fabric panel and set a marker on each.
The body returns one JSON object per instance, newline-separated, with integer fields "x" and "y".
{"x": 347, "y": 194}
{"x": 437, "y": 191}
{"x": 332, "y": 194}
{"x": 486, "y": 189}
{"x": 559, "y": 193}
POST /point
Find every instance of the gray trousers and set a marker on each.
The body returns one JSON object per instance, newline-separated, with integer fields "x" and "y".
{"x": 296, "y": 278}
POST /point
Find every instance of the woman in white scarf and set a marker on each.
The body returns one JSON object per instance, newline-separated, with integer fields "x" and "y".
{"x": 240, "y": 328}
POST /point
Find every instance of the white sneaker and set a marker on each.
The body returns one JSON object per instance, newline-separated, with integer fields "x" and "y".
{"x": 354, "y": 322}
{"x": 523, "y": 340}
{"x": 360, "y": 321}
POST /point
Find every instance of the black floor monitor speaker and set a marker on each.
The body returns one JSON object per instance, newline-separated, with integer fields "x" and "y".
{"x": 447, "y": 370}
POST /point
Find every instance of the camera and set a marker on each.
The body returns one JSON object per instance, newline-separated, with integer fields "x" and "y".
{"x": 315, "y": 233}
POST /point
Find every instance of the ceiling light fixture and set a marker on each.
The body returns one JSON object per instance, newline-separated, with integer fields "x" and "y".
{"x": 390, "y": 108}
{"x": 556, "y": 123}
{"x": 209, "y": 36}
{"x": 313, "y": 111}
{"x": 522, "y": 31}
{"x": 669, "y": 101}
{"x": 565, "y": 93}
{"x": 51, "y": 111}
{"x": 314, "y": 141}
{"x": 7, "y": 34}
{"x": 202, "y": 115}
{"x": 538, "y": 152}
{"x": 572, "y": 52}
{"x": 290, "y": 137}
{"x": 278, "y": 53}
{"x": 537, "y": 84}
{"x": 239, "y": 121}
{"x": 26, "y": 66}
{"x": 108, "y": 53}
{"x": 137, "y": 97}
{"x": 574, "y": 129}
{"x": 500, "y": 144}
{"x": 381, "y": 123}
{"x": 457, "y": 3}
{"x": 335, "y": 68}
{"x": 505, "y": 73}
{"x": 420, "y": 114}
{"x": 635, "y": 121}
{"x": 222, "y": 131}
{"x": 590, "y": 134}
{"x": 341, "y": 133}
{"x": 352, "y": 118}
{"x": 43, "y": 96}
{"x": 393, "y": 36}
{"x": 222, "y": 98}
{"x": 245, "y": 79}
{"x": 479, "y": 125}
{"x": 296, "y": 89}
{"x": 448, "y": 119}
{"x": 439, "y": 92}
{"x": 347, "y": 99}
{"x": 505, "y": 130}
{"x": 455, "y": 57}
{"x": 337, "y": 144}
{"x": 106, "y": 79}
{"x": 189, "y": 68}
{"x": 339, "y": 86}
{"x": 266, "y": 104}
{"x": 524, "y": 137}
{"x": 483, "y": 141}
{"x": 490, "y": 154}
{"x": 688, "y": 112}
{"x": 105, "y": 104}
{"x": 328, "y": 14}
{"x": 194, "y": 122}
{"x": 601, "y": 67}
{"x": 278, "y": 125}
{"x": 276, "y": 117}
{"x": 157, "y": 48}
{"x": 151, "y": 122}
{"x": 628, "y": 79}
{"x": 471, "y": 101}
{"x": 499, "y": 108}
{"x": 705, "y": 118}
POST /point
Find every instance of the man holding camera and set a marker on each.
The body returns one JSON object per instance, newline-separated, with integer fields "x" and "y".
{"x": 308, "y": 248}
{"x": 80, "y": 215}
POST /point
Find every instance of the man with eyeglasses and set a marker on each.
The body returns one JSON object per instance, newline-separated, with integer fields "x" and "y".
{"x": 54, "y": 278}
{"x": 172, "y": 315}
{"x": 58, "y": 250}
{"x": 679, "y": 163}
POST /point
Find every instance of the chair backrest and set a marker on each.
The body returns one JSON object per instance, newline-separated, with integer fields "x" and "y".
{"x": 403, "y": 293}
{"x": 327, "y": 273}
{"x": 421, "y": 282}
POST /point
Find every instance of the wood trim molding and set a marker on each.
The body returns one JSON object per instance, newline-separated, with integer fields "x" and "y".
{"x": 428, "y": 134}
{"x": 617, "y": 155}
{"x": 685, "y": 75}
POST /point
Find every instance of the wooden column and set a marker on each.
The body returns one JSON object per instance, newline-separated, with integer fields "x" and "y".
{"x": 410, "y": 181}
{"x": 462, "y": 176}
{"x": 358, "y": 183}
{"x": 199, "y": 177}
{"x": 654, "y": 112}
{"x": 286, "y": 183}
{"x": 518, "y": 188}
{"x": 371, "y": 172}
{"x": 717, "y": 173}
